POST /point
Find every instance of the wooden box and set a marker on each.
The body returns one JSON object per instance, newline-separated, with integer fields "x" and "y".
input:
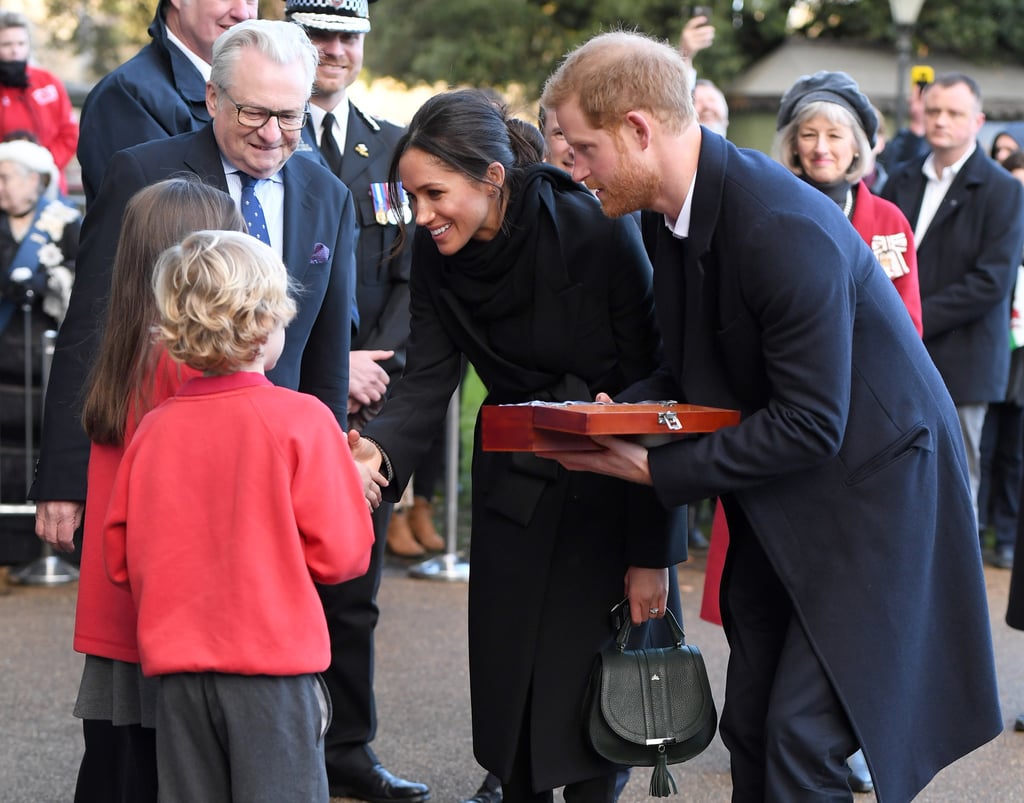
{"x": 567, "y": 426}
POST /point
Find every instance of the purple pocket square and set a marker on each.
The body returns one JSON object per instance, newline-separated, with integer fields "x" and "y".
{"x": 321, "y": 254}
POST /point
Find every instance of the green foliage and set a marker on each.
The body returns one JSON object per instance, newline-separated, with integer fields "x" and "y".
{"x": 500, "y": 42}
{"x": 111, "y": 31}
{"x": 497, "y": 43}
{"x": 108, "y": 30}
{"x": 981, "y": 31}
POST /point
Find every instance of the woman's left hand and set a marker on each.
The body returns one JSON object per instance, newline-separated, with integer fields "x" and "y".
{"x": 647, "y": 590}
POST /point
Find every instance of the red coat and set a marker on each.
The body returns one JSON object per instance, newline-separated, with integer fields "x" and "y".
{"x": 43, "y": 107}
{"x": 233, "y": 497}
{"x": 105, "y": 613}
{"x": 884, "y": 227}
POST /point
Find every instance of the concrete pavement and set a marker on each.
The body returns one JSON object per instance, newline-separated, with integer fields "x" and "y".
{"x": 423, "y": 697}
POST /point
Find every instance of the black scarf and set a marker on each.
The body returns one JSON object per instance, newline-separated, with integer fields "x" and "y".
{"x": 14, "y": 74}
{"x": 496, "y": 278}
{"x": 836, "y": 190}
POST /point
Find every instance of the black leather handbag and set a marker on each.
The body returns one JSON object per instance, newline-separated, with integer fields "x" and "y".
{"x": 650, "y": 707}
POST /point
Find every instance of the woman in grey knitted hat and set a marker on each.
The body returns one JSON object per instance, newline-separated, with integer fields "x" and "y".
{"x": 826, "y": 132}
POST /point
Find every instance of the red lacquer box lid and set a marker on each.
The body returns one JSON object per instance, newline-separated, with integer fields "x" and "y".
{"x": 555, "y": 426}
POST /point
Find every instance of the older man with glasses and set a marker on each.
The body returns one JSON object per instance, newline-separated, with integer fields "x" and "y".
{"x": 261, "y": 77}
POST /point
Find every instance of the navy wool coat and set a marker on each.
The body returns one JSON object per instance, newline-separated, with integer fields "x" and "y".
{"x": 156, "y": 94}
{"x": 848, "y": 462}
{"x": 967, "y": 265}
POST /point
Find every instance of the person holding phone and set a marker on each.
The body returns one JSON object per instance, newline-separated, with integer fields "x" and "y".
{"x": 698, "y": 34}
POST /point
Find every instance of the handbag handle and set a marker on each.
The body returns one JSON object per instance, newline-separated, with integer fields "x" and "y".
{"x": 673, "y": 623}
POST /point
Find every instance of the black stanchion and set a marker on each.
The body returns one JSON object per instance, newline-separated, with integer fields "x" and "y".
{"x": 49, "y": 568}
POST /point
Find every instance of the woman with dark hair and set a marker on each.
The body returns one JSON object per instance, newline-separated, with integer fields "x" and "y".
{"x": 115, "y": 702}
{"x": 516, "y": 267}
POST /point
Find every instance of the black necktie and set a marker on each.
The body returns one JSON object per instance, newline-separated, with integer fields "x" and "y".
{"x": 329, "y": 145}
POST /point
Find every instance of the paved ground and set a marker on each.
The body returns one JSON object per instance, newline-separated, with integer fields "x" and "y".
{"x": 422, "y": 692}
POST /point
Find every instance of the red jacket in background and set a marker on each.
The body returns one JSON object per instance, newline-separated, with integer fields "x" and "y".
{"x": 43, "y": 107}
{"x": 884, "y": 227}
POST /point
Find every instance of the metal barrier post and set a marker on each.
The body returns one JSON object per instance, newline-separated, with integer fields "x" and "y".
{"x": 49, "y": 568}
{"x": 450, "y": 566}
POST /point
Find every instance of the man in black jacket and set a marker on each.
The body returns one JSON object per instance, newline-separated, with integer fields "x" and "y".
{"x": 968, "y": 219}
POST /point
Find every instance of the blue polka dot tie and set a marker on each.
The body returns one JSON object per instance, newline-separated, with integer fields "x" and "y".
{"x": 252, "y": 211}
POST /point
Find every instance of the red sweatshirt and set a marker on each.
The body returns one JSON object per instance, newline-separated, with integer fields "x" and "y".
{"x": 233, "y": 497}
{"x": 105, "y": 614}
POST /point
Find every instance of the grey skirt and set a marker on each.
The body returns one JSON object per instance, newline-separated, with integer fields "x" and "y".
{"x": 116, "y": 691}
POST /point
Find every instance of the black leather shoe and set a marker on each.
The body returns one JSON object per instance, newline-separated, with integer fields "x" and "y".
{"x": 489, "y": 791}
{"x": 1019, "y": 724}
{"x": 860, "y": 778}
{"x": 377, "y": 785}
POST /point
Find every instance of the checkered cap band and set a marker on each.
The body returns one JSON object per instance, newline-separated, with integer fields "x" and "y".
{"x": 351, "y": 16}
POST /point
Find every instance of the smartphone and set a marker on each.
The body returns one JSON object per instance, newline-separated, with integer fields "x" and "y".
{"x": 619, "y": 614}
{"x": 701, "y": 11}
{"x": 922, "y": 75}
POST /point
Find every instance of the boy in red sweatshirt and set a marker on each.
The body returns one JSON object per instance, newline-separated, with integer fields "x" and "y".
{"x": 233, "y": 498}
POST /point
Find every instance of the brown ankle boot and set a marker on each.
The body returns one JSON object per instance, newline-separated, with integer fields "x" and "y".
{"x": 400, "y": 540}
{"x": 421, "y": 521}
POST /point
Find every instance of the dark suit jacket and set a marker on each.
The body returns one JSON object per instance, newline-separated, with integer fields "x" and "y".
{"x": 156, "y": 94}
{"x": 317, "y": 210}
{"x": 848, "y": 463}
{"x": 967, "y": 264}
{"x": 382, "y": 281}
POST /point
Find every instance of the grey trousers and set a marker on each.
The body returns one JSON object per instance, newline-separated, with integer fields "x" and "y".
{"x": 241, "y": 738}
{"x": 972, "y": 422}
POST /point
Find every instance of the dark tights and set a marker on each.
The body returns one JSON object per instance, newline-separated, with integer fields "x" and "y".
{"x": 119, "y": 764}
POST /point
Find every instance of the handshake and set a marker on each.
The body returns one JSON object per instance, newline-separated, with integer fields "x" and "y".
{"x": 369, "y": 458}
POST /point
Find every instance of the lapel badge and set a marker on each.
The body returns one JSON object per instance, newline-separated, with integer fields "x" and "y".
{"x": 362, "y": 150}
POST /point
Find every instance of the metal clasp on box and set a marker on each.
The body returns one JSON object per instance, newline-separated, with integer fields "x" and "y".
{"x": 670, "y": 420}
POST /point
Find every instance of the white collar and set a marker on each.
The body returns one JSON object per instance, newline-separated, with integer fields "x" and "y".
{"x": 198, "y": 63}
{"x": 680, "y": 227}
{"x": 230, "y": 169}
{"x": 948, "y": 173}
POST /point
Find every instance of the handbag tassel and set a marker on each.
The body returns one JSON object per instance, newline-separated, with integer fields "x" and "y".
{"x": 662, "y": 782}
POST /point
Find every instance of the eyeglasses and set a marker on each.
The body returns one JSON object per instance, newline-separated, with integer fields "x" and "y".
{"x": 257, "y": 117}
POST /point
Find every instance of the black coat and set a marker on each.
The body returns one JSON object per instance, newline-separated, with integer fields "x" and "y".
{"x": 382, "y": 279}
{"x": 549, "y": 549}
{"x": 156, "y": 94}
{"x": 967, "y": 264}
